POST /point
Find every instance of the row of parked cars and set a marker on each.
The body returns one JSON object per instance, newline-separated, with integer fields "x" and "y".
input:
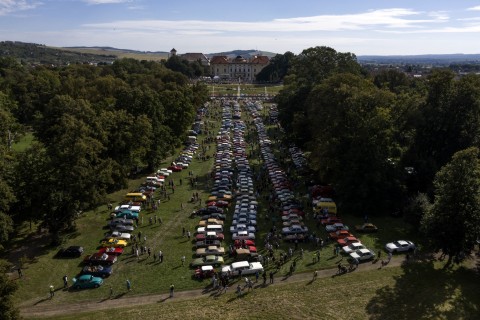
{"x": 290, "y": 209}
{"x": 231, "y": 172}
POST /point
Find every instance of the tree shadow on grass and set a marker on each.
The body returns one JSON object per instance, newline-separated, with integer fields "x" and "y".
{"x": 426, "y": 292}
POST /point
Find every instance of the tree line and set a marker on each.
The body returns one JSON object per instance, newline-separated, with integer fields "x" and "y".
{"x": 390, "y": 143}
{"x": 92, "y": 126}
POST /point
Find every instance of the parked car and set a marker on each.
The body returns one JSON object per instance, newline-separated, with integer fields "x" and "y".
{"x": 335, "y": 227}
{"x": 242, "y": 227}
{"x": 243, "y": 235}
{"x": 70, "y": 252}
{"x": 353, "y": 247}
{"x": 204, "y": 272}
{"x": 366, "y": 227}
{"x": 101, "y": 259}
{"x": 346, "y": 241}
{"x": 362, "y": 254}
{"x": 111, "y": 250}
{"x": 215, "y": 215}
{"x": 245, "y": 266}
{"x": 117, "y": 235}
{"x": 210, "y": 260}
{"x": 340, "y": 234}
{"x": 207, "y": 242}
{"x": 210, "y": 236}
{"x": 294, "y": 229}
{"x": 97, "y": 271}
{"x": 210, "y": 250}
{"x": 400, "y": 246}
{"x": 123, "y": 228}
{"x": 87, "y": 281}
{"x": 114, "y": 243}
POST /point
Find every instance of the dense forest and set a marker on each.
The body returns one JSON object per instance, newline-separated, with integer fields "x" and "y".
{"x": 389, "y": 143}
{"x": 92, "y": 126}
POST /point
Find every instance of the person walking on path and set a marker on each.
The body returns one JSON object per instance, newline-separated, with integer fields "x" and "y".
{"x": 172, "y": 288}
{"x": 52, "y": 291}
{"x": 129, "y": 285}
{"x": 315, "y": 274}
{"x": 271, "y": 277}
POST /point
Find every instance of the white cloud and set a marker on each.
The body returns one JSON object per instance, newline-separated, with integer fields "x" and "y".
{"x": 476, "y": 8}
{"x": 385, "y": 18}
{"x": 106, "y": 1}
{"x": 10, "y": 6}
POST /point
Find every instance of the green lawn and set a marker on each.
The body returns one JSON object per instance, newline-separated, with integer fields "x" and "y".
{"x": 414, "y": 291}
{"x": 246, "y": 89}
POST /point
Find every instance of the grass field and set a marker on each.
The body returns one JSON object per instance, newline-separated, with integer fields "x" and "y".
{"x": 413, "y": 291}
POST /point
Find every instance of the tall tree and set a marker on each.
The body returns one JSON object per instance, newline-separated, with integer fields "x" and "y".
{"x": 453, "y": 222}
{"x": 7, "y": 289}
{"x": 352, "y": 147}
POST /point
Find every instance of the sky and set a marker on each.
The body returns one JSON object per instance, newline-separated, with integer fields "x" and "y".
{"x": 362, "y": 27}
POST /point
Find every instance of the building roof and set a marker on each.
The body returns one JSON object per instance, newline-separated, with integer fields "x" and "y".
{"x": 194, "y": 56}
{"x": 219, "y": 60}
{"x": 260, "y": 60}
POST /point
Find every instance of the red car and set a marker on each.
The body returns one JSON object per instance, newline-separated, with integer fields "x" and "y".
{"x": 100, "y": 259}
{"x": 111, "y": 250}
{"x": 209, "y": 236}
{"x": 331, "y": 220}
{"x": 346, "y": 241}
{"x": 175, "y": 168}
{"x": 340, "y": 234}
{"x": 243, "y": 243}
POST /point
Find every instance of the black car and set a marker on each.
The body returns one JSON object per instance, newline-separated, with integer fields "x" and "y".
{"x": 70, "y": 252}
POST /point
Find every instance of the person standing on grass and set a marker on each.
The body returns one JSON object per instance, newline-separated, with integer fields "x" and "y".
{"x": 183, "y": 261}
{"x": 172, "y": 288}
{"x": 129, "y": 285}
{"x": 271, "y": 277}
{"x": 111, "y": 292}
{"x": 52, "y": 291}
{"x": 65, "y": 281}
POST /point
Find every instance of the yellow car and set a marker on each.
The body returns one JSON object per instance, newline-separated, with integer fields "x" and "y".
{"x": 117, "y": 243}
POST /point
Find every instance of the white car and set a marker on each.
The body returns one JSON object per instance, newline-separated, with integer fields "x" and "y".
{"x": 353, "y": 247}
{"x": 362, "y": 254}
{"x": 400, "y": 246}
{"x": 245, "y": 266}
{"x": 118, "y": 235}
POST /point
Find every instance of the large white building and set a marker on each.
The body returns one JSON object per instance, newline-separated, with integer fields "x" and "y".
{"x": 238, "y": 69}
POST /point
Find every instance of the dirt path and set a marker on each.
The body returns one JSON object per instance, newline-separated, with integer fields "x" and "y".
{"x": 35, "y": 309}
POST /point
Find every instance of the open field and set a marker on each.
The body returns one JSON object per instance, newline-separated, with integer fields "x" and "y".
{"x": 120, "y": 54}
{"x": 412, "y": 291}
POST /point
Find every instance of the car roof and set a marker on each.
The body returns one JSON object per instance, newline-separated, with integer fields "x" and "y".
{"x": 240, "y": 264}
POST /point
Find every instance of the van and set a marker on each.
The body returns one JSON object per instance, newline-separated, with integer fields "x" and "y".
{"x": 135, "y": 197}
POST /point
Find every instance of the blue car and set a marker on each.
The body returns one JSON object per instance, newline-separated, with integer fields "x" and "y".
{"x": 97, "y": 271}
{"x": 129, "y": 214}
{"x": 87, "y": 281}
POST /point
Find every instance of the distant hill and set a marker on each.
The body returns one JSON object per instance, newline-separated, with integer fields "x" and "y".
{"x": 122, "y": 53}
{"x": 244, "y": 53}
{"x": 431, "y": 59}
{"x": 32, "y": 53}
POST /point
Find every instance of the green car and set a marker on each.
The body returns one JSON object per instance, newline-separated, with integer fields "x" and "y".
{"x": 87, "y": 281}
{"x": 210, "y": 260}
